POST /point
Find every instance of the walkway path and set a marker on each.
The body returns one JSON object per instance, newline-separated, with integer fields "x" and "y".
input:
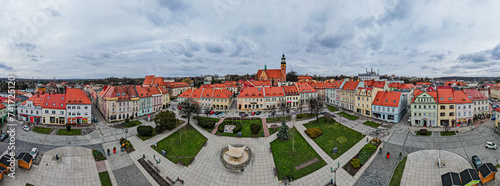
{"x": 217, "y": 126}
{"x": 264, "y": 127}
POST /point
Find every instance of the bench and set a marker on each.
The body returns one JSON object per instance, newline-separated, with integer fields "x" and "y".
{"x": 275, "y": 172}
{"x": 150, "y": 163}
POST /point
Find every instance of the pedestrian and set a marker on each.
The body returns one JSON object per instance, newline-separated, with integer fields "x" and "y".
{"x": 366, "y": 139}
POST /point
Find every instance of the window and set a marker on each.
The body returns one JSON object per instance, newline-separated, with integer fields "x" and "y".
{"x": 452, "y": 113}
{"x": 442, "y": 114}
{"x": 442, "y": 107}
{"x": 452, "y": 107}
{"x": 62, "y": 112}
{"x": 46, "y": 111}
{"x": 53, "y": 112}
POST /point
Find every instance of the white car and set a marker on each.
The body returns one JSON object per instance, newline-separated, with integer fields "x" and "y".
{"x": 220, "y": 115}
{"x": 26, "y": 128}
{"x": 491, "y": 145}
{"x": 34, "y": 152}
{"x": 409, "y": 119}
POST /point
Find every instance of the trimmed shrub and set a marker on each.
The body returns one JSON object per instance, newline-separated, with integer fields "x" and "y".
{"x": 159, "y": 129}
{"x": 127, "y": 120}
{"x": 68, "y": 127}
{"x": 131, "y": 117}
{"x": 255, "y": 128}
{"x": 369, "y": 147}
{"x": 314, "y": 132}
{"x": 145, "y": 130}
{"x": 355, "y": 163}
{"x": 423, "y": 132}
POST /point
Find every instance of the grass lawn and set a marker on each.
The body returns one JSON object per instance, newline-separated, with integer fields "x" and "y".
{"x": 305, "y": 116}
{"x": 144, "y": 138}
{"x": 429, "y": 133}
{"x": 202, "y": 119}
{"x": 332, "y": 109}
{"x": 348, "y": 116}
{"x": 372, "y": 124}
{"x": 98, "y": 156}
{"x": 335, "y": 135}
{"x": 272, "y": 131}
{"x": 398, "y": 173}
{"x": 245, "y": 129}
{"x": 42, "y": 130}
{"x": 71, "y": 132}
{"x": 182, "y": 150}
{"x": 448, "y": 133}
{"x": 105, "y": 180}
{"x": 132, "y": 123}
{"x": 286, "y": 160}
{"x": 278, "y": 119}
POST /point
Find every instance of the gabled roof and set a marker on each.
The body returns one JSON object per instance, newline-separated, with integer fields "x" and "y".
{"x": 497, "y": 109}
{"x": 143, "y": 92}
{"x": 474, "y": 94}
{"x": 450, "y": 179}
{"x": 469, "y": 175}
{"x": 320, "y": 85}
{"x": 363, "y": 90}
{"x": 461, "y": 98}
{"x": 386, "y": 98}
{"x": 305, "y": 87}
{"x": 373, "y": 83}
{"x": 159, "y": 81}
{"x": 274, "y": 91}
{"x": 446, "y": 96}
{"x": 26, "y": 157}
{"x": 176, "y": 84}
{"x": 5, "y": 160}
{"x": 486, "y": 169}
{"x": 76, "y": 96}
{"x": 252, "y": 92}
{"x": 55, "y": 101}
{"x": 186, "y": 94}
{"x": 271, "y": 73}
{"x": 148, "y": 80}
{"x": 419, "y": 92}
{"x": 221, "y": 93}
{"x": 423, "y": 83}
{"x": 350, "y": 85}
{"x": 37, "y": 99}
{"x": 153, "y": 90}
{"x": 291, "y": 90}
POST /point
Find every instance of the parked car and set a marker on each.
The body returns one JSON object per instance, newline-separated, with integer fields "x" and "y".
{"x": 491, "y": 145}
{"x": 34, "y": 152}
{"x": 258, "y": 113}
{"x": 4, "y": 136}
{"x": 409, "y": 119}
{"x": 253, "y": 113}
{"x": 26, "y": 128}
{"x": 476, "y": 162}
{"x": 220, "y": 115}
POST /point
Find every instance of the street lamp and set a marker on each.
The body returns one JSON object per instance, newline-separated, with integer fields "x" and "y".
{"x": 335, "y": 174}
{"x": 158, "y": 161}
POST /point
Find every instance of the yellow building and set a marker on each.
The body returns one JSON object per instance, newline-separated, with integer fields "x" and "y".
{"x": 363, "y": 100}
{"x": 446, "y": 107}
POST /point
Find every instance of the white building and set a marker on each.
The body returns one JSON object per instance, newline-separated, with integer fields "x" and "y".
{"x": 78, "y": 107}
{"x": 369, "y": 75}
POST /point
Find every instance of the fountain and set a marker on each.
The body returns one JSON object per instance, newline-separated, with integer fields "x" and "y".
{"x": 235, "y": 157}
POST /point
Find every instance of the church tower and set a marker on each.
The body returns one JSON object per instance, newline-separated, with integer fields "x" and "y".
{"x": 283, "y": 68}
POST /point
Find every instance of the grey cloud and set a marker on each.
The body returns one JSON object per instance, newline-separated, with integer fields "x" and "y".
{"x": 400, "y": 10}
{"x": 214, "y": 48}
{"x": 94, "y": 56}
{"x": 5, "y": 67}
{"x": 374, "y": 42}
{"x": 436, "y": 57}
{"x": 33, "y": 59}
{"x": 29, "y": 47}
{"x": 244, "y": 47}
{"x": 53, "y": 13}
{"x": 427, "y": 67}
{"x": 469, "y": 66}
{"x": 185, "y": 47}
{"x": 474, "y": 57}
{"x": 495, "y": 52}
{"x": 250, "y": 30}
{"x": 329, "y": 42}
{"x": 410, "y": 62}
{"x": 174, "y": 5}
{"x": 246, "y": 62}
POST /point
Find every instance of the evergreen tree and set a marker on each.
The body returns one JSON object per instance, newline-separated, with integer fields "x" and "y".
{"x": 283, "y": 132}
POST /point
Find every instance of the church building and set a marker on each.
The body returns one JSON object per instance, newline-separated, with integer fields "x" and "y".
{"x": 273, "y": 75}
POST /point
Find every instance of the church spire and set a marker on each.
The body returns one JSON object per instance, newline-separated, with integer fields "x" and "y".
{"x": 265, "y": 67}
{"x": 283, "y": 60}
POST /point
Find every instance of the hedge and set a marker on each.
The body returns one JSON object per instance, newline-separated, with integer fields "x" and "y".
{"x": 145, "y": 130}
{"x": 314, "y": 132}
{"x": 255, "y": 128}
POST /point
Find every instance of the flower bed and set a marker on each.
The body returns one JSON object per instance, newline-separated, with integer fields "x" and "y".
{"x": 362, "y": 157}
{"x": 125, "y": 144}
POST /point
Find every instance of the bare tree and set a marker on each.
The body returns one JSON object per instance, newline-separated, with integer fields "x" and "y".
{"x": 316, "y": 106}
{"x": 301, "y": 104}
{"x": 292, "y": 135}
{"x": 273, "y": 110}
{"x": 282, "y": 106}
{"x": 207, "y": 110}
{"x": 190, "y": 107}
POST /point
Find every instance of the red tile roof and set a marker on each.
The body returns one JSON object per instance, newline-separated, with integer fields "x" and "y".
{"x": 186, "y": 94}
{"x": 305, "y": 88}
{"x": 373, "y": 83}
{"x": 54, "y": 101}
{"x": 446, "y": 96}
{"x": 474, "y": 94}
{"x": 461, "y": 98}
{"x": 274, "y": 91}
{"x": 457, "y": 83}
{"x": 260, "y": 83}
{"x": 321, "y": 85}
{"x": 497, "y": 109}
{"x": 221, "y": 93}
{"x": 143, "y": 92}
{"x": 388, "y": 99}
{"x": 148, "y": 80}
{"x": 252, "y": 92}
{"x": 350, "y": 85}
{"x": 176, "y": 84}
{"x": 423, "y": 83}
{"x": 291, "y": 90}
{"x": 271, "y": 73}
{"x": 418, "y": 92}
{"x": 76, "y": 96}
{"x": 37, "y": 99}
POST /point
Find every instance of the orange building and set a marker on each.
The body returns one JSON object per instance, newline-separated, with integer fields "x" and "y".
{"x": 487, "y": 172}
{"x": 25, "y": 160}
{"x": 273, "y": 75}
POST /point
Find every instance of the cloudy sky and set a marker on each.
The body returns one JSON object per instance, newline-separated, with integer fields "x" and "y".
{"x": 96, "y": 39}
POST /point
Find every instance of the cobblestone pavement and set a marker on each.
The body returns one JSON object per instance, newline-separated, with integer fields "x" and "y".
{"x": 77, "y": 167}
{"x": 130, "y": 175}
{"x": 422, "y": 167}
{"x": 380, "y": 170}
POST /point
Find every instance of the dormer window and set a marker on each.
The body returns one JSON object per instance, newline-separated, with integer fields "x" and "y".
{"x": 54, "y": 104}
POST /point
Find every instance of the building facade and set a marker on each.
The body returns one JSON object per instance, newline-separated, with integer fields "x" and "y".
{"x": 306, "y": 92}
{"x": 54, "y": 109}
{"x": 389, "y": 106}
{"x": 446, "y": 108}
{"x": 369, "y": 76}
{"x": 31, "y": 109}
{"x": 424, "y": 109}
{"x": 480, "y": 102}
{"x": 363, "y": 101}
{"x": 78, "y": 107}
{"x": 273, "y": 75}
{"x": 347, "y": 94}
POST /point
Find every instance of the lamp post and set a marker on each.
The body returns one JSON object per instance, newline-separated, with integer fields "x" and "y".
{"x": 158, "y": 161}
{"x": 335, "y": 173}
